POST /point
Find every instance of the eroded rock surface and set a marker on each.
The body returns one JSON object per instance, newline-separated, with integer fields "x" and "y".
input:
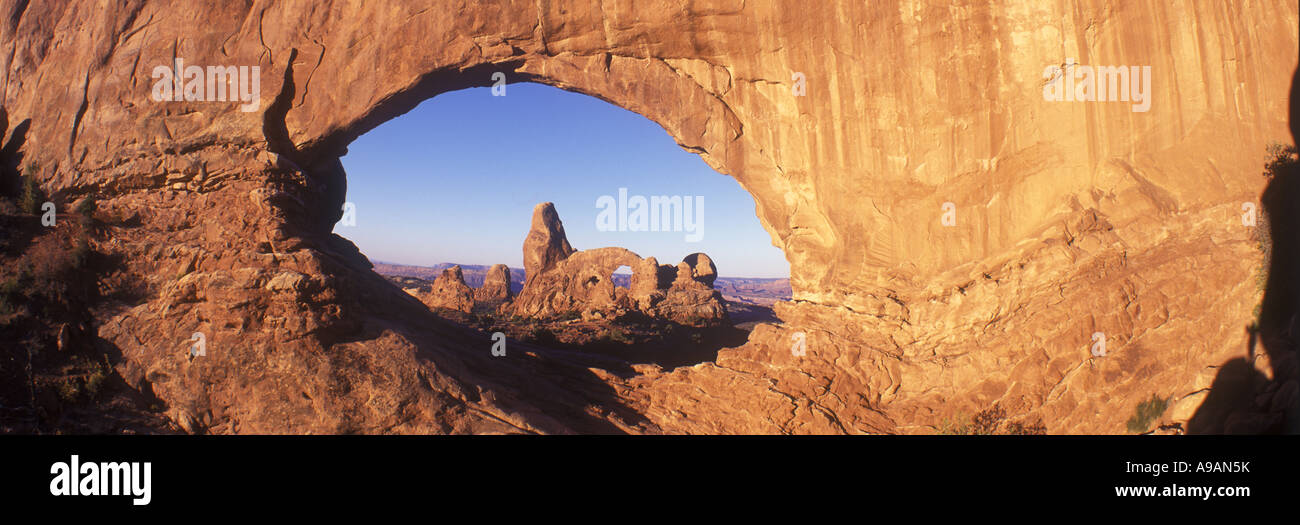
{"x": 450, "y": 291}
{"x": 908, "y": 109}
{"x": 580, "y": 283}
{"x": 546, "y": 244}
{"x": 496, "y": 286}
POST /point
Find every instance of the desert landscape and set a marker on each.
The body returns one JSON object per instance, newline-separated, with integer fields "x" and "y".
{"x": 971, "y": 250}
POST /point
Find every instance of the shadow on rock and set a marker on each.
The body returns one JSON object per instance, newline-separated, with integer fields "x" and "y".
{"x": 1242, "y": 400}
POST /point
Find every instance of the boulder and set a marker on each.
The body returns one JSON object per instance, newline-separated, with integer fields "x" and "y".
{"x": 702, "y": 268}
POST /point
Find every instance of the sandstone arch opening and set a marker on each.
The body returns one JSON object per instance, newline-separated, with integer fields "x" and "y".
{"x": 441, "y": 200}
{"x": 622, "y": 276}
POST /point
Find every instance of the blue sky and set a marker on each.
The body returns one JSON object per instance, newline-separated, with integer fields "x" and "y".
{"x": 456, "y": 179}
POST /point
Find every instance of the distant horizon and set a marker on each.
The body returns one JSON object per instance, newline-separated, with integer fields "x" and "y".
{"x": 457, "y": 178}
{"x": 520, "y": 268}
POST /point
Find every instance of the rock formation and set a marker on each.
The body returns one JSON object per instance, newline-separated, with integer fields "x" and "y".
{"x": 691, "y": 299}
{"x": 934, "y": 207}
{"x": 546, "y": 244}
{"x": 496, "y": 286}
{"x": 701, "y": 269}
{"x": 450, "y": 291}
{"x": 580, "y": 283}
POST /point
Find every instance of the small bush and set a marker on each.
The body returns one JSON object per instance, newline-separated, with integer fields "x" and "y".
{"x": 1147, "y": 412}
{"x": 617, "y": 334}
{"x": 1282, "y": 159}
{"x": 986, "y": 422}
{"x": 990, "y": 422}
{"x": 11, "y": 292}
{"x": 953, "y": 427}
{"x": 87, "y": 206}
{"x": 1033, "y": 429}
{"x": 69, "y": 389}
{"x": 31, "y": 197}
{"x": 95, "y": 381}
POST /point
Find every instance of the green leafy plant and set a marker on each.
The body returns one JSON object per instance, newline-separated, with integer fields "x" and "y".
{"x": 69, "y": 389}
{"x": 31, "y": 197}
{"x": 95, "y": 381}
{"x": 1147, "y": 412}
{"x": 86, "y": 208}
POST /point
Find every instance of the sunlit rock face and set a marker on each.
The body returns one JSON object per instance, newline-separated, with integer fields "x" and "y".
{"x": 564, "y": 283}
{"x": 450, "y": 291}
{"x": 955, "y": 238}
{"x": 496, "y": 286}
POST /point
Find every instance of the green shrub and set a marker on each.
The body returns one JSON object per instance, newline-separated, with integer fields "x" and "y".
{"x": 1147, "y": 412}
{"x": 10, "y": 293}
{"x": 31, "y": 197}
{"x": 69, "y": 389}
{"x": 95, "y": 380}
{"x": 617, "y": 334}
{"x": 86, "y": 208}
{"x": 954, "y": 427}
{"x": 990, "y": 422}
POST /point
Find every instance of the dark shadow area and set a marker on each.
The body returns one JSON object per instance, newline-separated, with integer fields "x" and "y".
{"x": 529, "y": 378}
{"x": 610, "y": 344}
{"x": 637, "y": 339}
{"x": 1242, "y": 400}
{"x": 560, "y": 388}
{"x": 56, "y": 374}
{"x": 11, "y": 156}
{"x": 1226, "y": 409}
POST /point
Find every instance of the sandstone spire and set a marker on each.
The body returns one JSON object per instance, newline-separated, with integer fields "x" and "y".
{"x": 496, "y": 285}
{"x": 450, "y": 291}
{"x": 546, "y": 244}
